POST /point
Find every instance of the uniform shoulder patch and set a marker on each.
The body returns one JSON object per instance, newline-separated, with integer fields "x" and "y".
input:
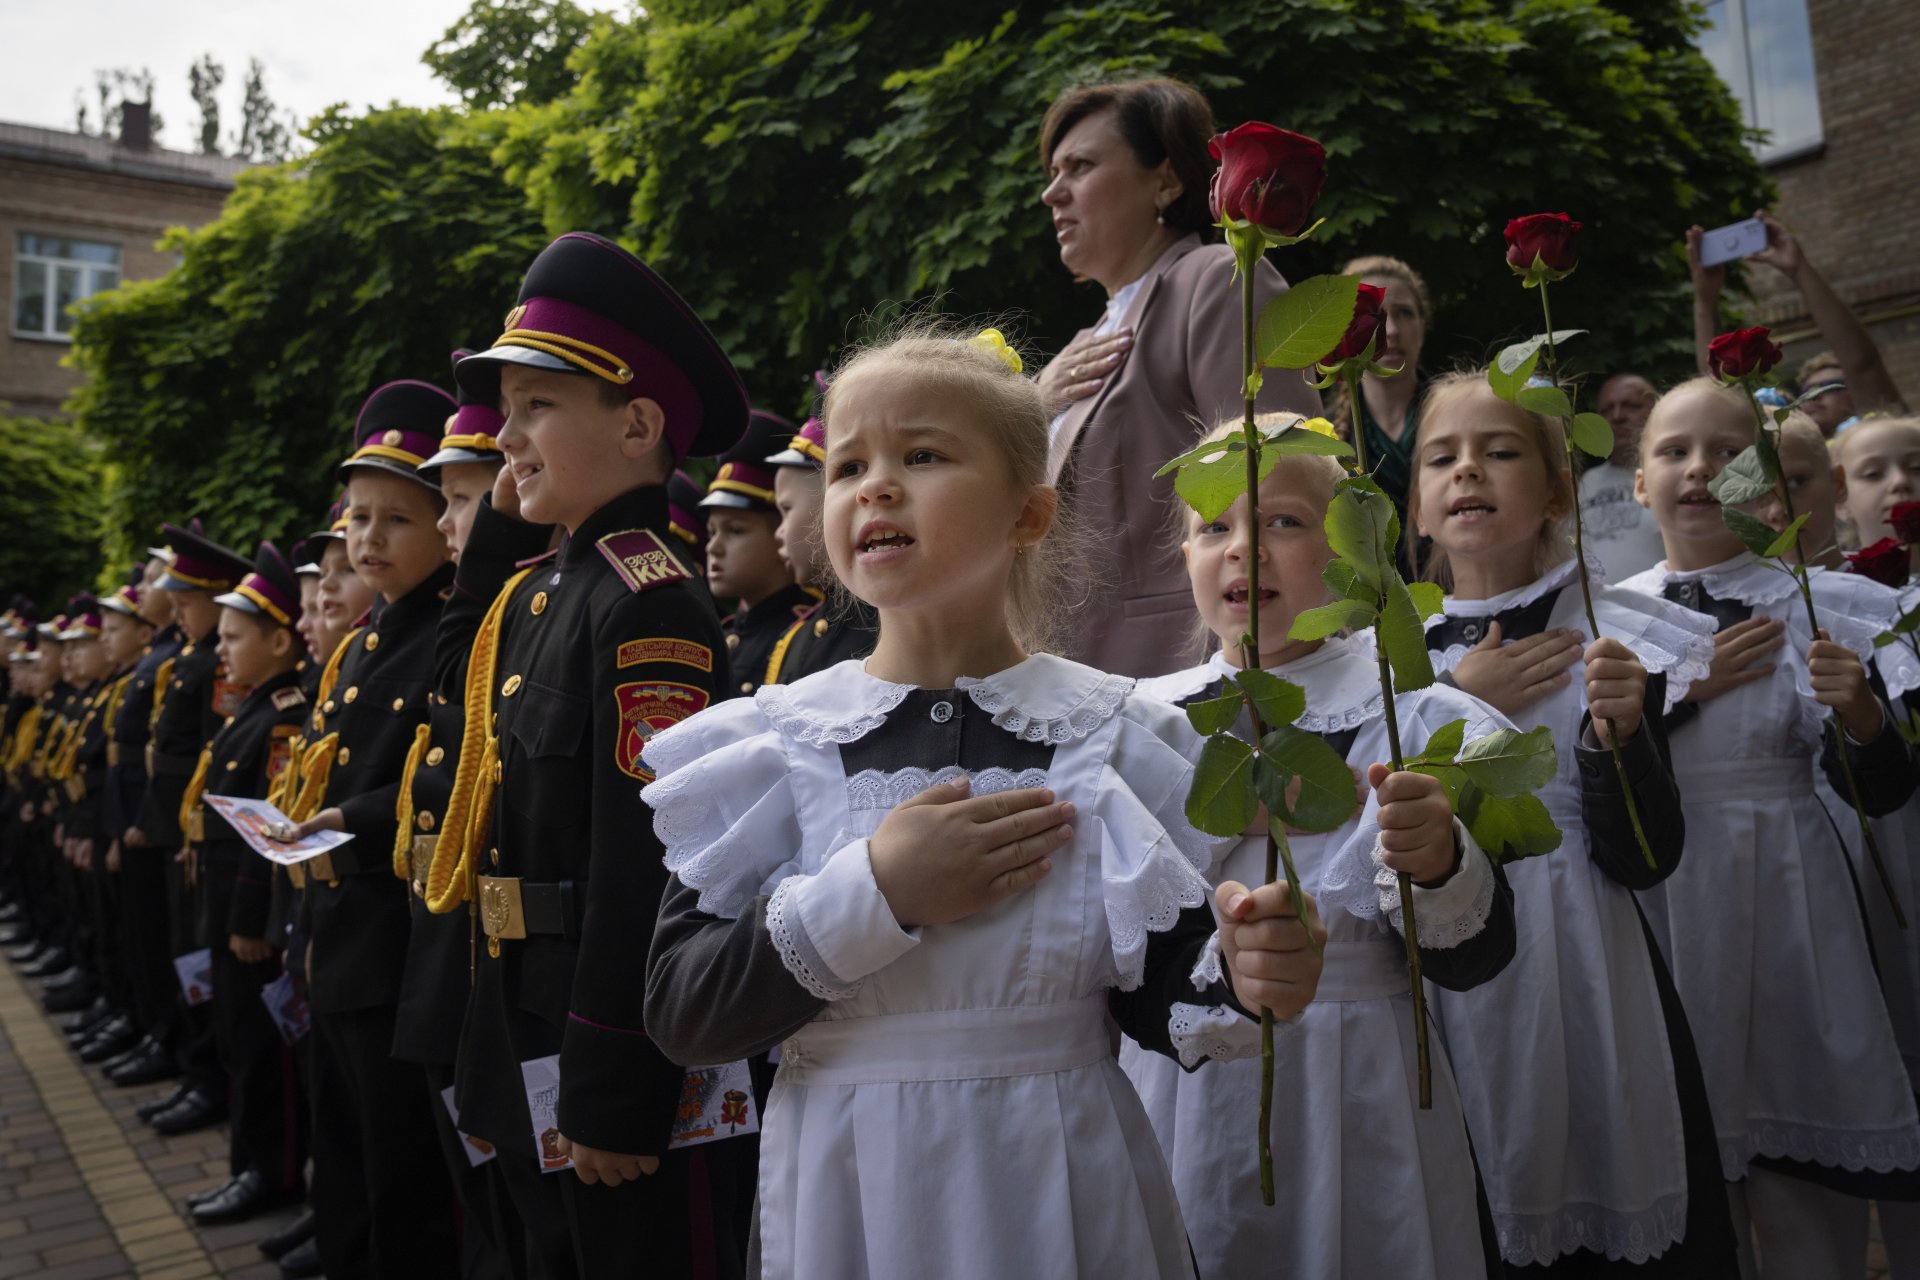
{"x": 286, "y": 698}
{"x": 642, "y": 560}
{"x": 664, "y": 649}
{"x": 647, "y": 707}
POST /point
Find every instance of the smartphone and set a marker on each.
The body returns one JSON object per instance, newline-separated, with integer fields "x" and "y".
{"x": 1738, "y": 240}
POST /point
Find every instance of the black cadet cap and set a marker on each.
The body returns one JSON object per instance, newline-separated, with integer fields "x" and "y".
{"x": 745, "y": 478}
{"x": 198, "y": 563}
{"x": 472, "y": 433}
{"x": 270, "y": 589}
{"x": 587, "y": 306}
{"x": 398, "y": 427}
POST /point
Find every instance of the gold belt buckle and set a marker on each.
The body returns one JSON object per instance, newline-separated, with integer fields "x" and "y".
{"x": 320, "y": 867}
{"x": 420, "y": 859}
{"x": 501, "y": 914}
{"x": 196, "y": 827}
{"x": 113, "y": 755}
{"x": 297, "y": 873}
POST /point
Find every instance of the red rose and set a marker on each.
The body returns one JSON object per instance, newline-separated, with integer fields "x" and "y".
{"x": 1368, "y": 315}
{"x": 1743, "y": 353}
{"x": 1905, "y": 520}
{"x": 1885, "y": 562}
{"x": 1268, "y": 177}
{"x": 1548, "y": 237}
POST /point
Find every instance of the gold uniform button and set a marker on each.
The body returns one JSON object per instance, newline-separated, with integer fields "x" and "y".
{"x": 819, "y": 628}
{"x": 232, "y": 765}
{"x": 733, "y": 642}
{"x": 511, "y": 686}
{"x": 424, "y": 821}
{"x": 399, "y": 703}
{"x": 373, "y": 641}
{"x": 746, "y": 686}
{"x": 493, "y": 948}
{"x": 540, "y": 603}
{"x": 353, "y": 691}
{"x": 435, "y": 755}
{"x": 495, "y": 855}
{"x": 327, "y": 706}
{"x": 498, "y": 773}
{"x": 228, "y": 721}
{"x": 344, "y": 756}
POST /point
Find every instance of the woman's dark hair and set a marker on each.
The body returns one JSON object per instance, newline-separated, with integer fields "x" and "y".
{"x": 1161, "y": 120}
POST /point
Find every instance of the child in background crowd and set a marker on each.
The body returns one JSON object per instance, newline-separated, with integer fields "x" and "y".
{"x": 744, "y": 561}
{"x": 834, "y": 629}
{"x": 1880, "y": 460}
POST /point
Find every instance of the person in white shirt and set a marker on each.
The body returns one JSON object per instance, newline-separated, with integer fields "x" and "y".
{"x": 1620, "y": 533}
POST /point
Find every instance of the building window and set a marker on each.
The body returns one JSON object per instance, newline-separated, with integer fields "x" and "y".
{"x": 1763, "y": 49}
{"x": 50, "y": 274}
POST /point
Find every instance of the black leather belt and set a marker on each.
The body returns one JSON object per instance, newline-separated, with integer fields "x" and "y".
{"x": 515, "y": 908}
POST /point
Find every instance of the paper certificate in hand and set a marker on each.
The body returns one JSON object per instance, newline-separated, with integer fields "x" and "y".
{"x": 259, "y": 823}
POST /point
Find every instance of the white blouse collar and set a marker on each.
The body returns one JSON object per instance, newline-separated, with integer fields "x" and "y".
{"x": 1746, "y": 578}
{"x": 1041, "y": 699}
{"x": 1552, "y": 580}
{"x": 1341, "y": 680}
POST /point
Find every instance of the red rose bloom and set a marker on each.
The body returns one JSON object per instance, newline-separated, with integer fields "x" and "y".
{"x": 1743, "y": 353}
{"x": 1268, "y": 177}
{"x": 1550, "y": 237}
{"x": 1369, "y": 313}
{"x": 1905, "y": 520}
{"x": 1885, "y": 562}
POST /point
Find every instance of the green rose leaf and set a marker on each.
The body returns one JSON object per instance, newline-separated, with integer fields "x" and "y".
{"x": 1756, "y": 534}
{"x": 1743, "y": 480}
{"x": 1508, "y": 762}
{"x": 1306, "y": 322}
{"x": 1400, "y": 633}
{"x": 1551, "y": 401}
{"x": 1591, "y": 435}
{"x": 1787, "y": 537}
{"x": 1296, "y": 441}
{"x": 1324, "y": 620}
{"x": 1210, "y": 486}
{"x": 1512, "y": 358}
{"x": 1346, "y": 585}
{"x": 1221, "y": 801}
{"x": 1211, "y": 449}
{"x": 1362, "y": 528}
{"x": 1428, "y": 598}
{"x": 1508, "y": 828}
{"x": 1443, "y": 744}
{"x": 1278, "y": 701}
{"x": 1325, "y": 799}
{"x": 1215, "y": 715}
{"x": 1506, "y": 385}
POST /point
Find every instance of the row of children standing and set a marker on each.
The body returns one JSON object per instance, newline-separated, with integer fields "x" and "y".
{"x": 932, "y": 877}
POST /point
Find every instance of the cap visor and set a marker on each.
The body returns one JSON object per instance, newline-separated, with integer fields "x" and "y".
{"x": 234, "y": 600}
{"x": 447, "y": 457}
{"x": 389, "y": 466}
{"x": 527, "y": 356}
{"x": 791, "y": 458}
{"x": 309, "y": 570}
{"x": 737, "y": 501}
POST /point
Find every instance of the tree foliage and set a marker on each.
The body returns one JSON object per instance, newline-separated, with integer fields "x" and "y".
{"x": 50, "y": 494}
{"x": 203, "y": 83}
{"x": 503, "y": 51}
{"x": 229, "y": 387}
{"x": 110, "y": 90}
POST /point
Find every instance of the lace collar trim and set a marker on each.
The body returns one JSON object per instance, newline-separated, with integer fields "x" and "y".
{"x": 1746, "y": 578}
{"x": 1520, "y": 597}
{"x": 1041, "y": 699}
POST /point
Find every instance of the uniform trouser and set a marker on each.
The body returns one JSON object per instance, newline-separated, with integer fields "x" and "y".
{"x": 266, "y": 1114}
{"x": 152, "y": 992}
{"x": 74, "y": 927}
{"x": 102, "y": 891}
{"x": 383, "y": 1205}
{"x": 191, "y": 1040}
{"x": 677, "y": 1222}
{"x": 487, "y": 1237}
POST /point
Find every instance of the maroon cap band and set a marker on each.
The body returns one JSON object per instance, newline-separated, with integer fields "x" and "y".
{"x": 591, "y": 342}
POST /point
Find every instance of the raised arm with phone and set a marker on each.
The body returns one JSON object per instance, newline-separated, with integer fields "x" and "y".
{"x": 1872, "y": 387}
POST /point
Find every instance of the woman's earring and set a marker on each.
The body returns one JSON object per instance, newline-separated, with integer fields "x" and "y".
{"x": 1161, "y": 217}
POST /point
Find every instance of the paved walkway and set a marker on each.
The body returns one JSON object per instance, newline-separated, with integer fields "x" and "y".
{"x": 86, "y": 1189}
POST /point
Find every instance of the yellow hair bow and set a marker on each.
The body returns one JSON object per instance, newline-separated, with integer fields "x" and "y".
{"x": 991, "y": 340}
{"x": 1319, "y": 426}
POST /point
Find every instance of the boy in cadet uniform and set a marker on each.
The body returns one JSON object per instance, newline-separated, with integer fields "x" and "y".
{"x": 607, "y": 379}
{"x": 70, "y": 988}
{"x": 193, "y": 696}
{"x": 743, "y": 562}
{"x": 257, "y": 645}
{"x": 440, "y": 949}
{"x": 834, "y": 629}
{"x": 37, "y": 854}
{"x": 382, "y": 1203}
{"x": 32, "y": 679}
{"x": 140, "y": 616}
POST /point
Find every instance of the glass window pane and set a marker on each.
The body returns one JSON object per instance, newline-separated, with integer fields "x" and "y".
{"x": 1786, "y": 101}
{"x": 1719, "y": 44}
{"x": 104, "y": 278}
{"x": 71, "y": 250}
{"x": 30, "y": 297}
{"x": 66, "y": 292}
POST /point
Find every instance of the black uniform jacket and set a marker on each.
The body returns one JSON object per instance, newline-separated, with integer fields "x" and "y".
{"x": 357, "y": 919}
{"x": 602, "y": 645}
{"x": 753, "y": 633}
{"x": 247, "y": 755}
{"x": 193, "y": 702}
{"x": 441, "y": 948}
{"x": 826, "y": 635}
{"x": 127, "y": 738}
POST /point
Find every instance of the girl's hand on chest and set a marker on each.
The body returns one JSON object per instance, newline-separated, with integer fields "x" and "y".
{"x": 945, "y": 854}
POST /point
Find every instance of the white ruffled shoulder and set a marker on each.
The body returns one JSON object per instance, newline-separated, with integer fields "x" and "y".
{"x": 1153, "y": 862}
{"x": 1340, "y": 678}
{"x": 1669, "y": 639}
{"x": 839, "y": 705}
{"x": 723, "y": 804}
{"x": 1048, "y": 698}
{"x": 1854, "y": 610}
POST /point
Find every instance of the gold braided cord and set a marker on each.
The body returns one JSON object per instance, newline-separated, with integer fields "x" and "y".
{"x": 314, "y": 772}
{"x": 286, "y": 786}
{"x": 25, "y": 735}
{"x": 478, "y": 443}
{"x": 463, "y": 826}
{"x": 274, "y": 611}
{"x": 48, "y": 745}
{"x": 778, "y": 658}
{"x": 330, "y": 674}
{"x": 160, "y": 681}
{"x": 403, "y": 804}
{"x": 59, "y": 756}
{"x": 572, "y": 350}
{"x": 196, "y": 787}
{"x": 385, "y": 451}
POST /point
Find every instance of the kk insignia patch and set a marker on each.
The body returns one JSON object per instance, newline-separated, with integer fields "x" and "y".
{"x": 642, "y": 560}
{"x": 665, "y": 649}
{"x": 646, "y": 709}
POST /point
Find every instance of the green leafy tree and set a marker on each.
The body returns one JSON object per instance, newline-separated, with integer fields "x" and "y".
{"x": 504, "y": 51}
{"x": 266, "y": 134}
{"x": 228, "y": 387}
{"x": 203, "y": 82}
{"x": 50, "y": 492}
{"x": 111, "y": 89}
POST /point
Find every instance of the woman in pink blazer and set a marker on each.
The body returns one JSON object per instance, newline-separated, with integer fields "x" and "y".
{"x": 1128, "y": 178}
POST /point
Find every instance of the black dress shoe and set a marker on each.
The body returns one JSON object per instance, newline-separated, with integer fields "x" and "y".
{"x": 213, "y": 1193}
{"x": 68, "y": 998}
{"x": 9, "y": 912}
{"x": 289, "y": 1237}
{"x": 301, "y": 1260}
{"x": 83, "y": 1024}
{"x": 16, "y": 933}
{"x": 148, "y": 1110}
{"x": 50, "y": 961}
{"x": 146, "y": 1063}
{"x": 27, "y": 952}
{"x": 242, "y": 1198}
{"x": 194, "y": 1111}
{"x": 113, "y": 1039}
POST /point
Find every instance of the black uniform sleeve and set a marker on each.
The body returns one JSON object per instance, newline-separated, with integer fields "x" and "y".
{"x": 1884, "y": 768}
{"x": 1610, "y": 838}
{"x": 716, "y": 988}
{"x": 1485, "y": 954}
{"x": 1145, "y": 1013}
{"x": 619, "y": 1090}
{"x": 492, "y": 554}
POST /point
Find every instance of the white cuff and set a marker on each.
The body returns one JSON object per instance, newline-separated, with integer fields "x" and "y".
{"x": 1209, "y": 968}
{"x": 1451, "y": 913}
{"x": 834, "y": 927}
{"x": 1200, "y": 1032}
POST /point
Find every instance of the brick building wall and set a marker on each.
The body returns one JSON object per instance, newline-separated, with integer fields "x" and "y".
{"x": 1854, "y": 205}
{"x": 65, "y": 185}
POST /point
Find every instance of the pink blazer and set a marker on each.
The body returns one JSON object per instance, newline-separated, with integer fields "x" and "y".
{"x": 1182, "y": 376}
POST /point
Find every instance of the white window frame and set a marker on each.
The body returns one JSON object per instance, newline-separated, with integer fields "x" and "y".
{"x": 28, "y": 254}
